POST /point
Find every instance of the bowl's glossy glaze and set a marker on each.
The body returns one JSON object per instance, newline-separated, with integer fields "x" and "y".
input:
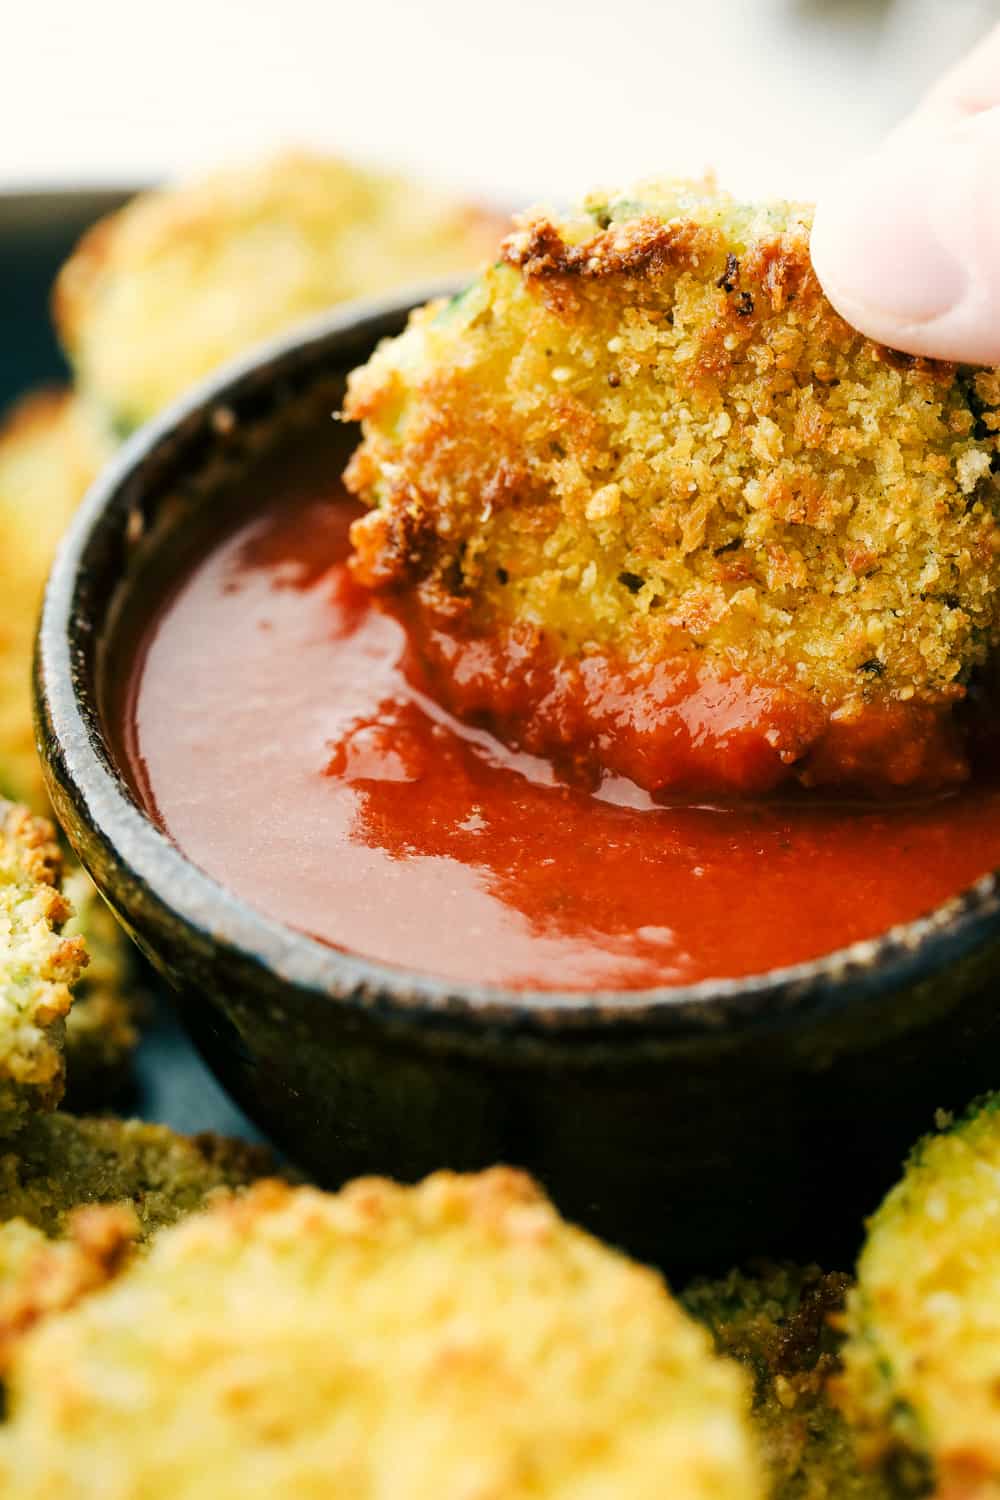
{"x": 694, "y": 1126}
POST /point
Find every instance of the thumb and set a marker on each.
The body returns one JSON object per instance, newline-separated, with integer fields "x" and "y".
{"x": 907, "y": 243}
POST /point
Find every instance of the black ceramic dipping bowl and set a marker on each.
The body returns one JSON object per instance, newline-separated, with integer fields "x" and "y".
{"x": 693, "y": 1126}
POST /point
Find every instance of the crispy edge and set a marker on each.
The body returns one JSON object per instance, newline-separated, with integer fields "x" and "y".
{"x": 34, "y": 1076}
{"x": 99, "y": 1244}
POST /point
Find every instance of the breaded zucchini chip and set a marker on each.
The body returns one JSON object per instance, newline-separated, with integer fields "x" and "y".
{"x": 648, "y": 503}
{"x": 38, "y": 967}
{"x": 61, "y": 1162}
{"x": 78, "y": 1196}
{"x": 162, "y": 292}
{"x": 922, "y": 1358}
{"x": 776, "y": 1321}
{"x": 40, "y": 1276}
{"x": 448, "y": 1341}
{"x": 50, "y": 451}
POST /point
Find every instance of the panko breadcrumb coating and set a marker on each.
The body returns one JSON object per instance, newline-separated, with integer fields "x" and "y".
{"x": 19, "y": 1244}
{"x": 776, "y": 1320}
{"x": 61, "y": 1162}
{"x": 648, "y": 498}
{"x": 40, "y": 1276}
{"x": 38, "y": 967}
{"x": 77, "y": 1196}
{"x": 922, "y": 1359}
{"x": 50, "y": 451}
{"x": 178, "y": 281}
{"x": 453, "y": 1341}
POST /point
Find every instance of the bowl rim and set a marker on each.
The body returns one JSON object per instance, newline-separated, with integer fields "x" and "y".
{"x": 80, "y": 769}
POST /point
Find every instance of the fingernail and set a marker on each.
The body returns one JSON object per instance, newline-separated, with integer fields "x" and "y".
{"x": 877, "y": 253}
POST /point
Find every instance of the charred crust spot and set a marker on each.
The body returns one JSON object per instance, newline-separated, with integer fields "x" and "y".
{"x": 506, "y": 485}
{"x": 441, "y": 603}
{"x": 727, "y": 281}
{"x": 451, "y": 573}
{"x": 614, "y": 379}
{"x": 744, "y": 305}
{"x": 392, "y": 546}
{"x": 541, "y": 251}
{"x": 782, "y": 271}
{"x": 727, "y": 547}
{"x": 897, "y": 359}
{"x": 632, "y": 581}
{"x": 503, "y": 577}
{"x": 642, "y": 247}
{"x": 799, "y": 1343}
{"x": 408, "y": 535}
{"x": 979, "y": 409}
{"x": 873, "y": 667}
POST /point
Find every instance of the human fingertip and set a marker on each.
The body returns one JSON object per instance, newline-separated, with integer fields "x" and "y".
{"x": 906, "y": 244}
{"x": 880, "y": 258}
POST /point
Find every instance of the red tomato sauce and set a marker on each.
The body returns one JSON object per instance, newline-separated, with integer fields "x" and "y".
{"x": 276, "y": 726}
{"x": 668, "y": 726}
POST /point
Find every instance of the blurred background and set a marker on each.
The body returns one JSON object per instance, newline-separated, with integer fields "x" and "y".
{"x": 517, "y": 98}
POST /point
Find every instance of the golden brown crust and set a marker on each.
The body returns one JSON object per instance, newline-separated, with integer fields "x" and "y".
{"x": 79, "y": 277}
{"x": 78, "y": 1196}
{"x": 62, "y": 1162}
{"x": 38, "y": 966}
{"x": 98, "y": 1245}
{"x": 187, "y": 276}
{"x": 171, "y": 218}
{"x": 656, "y": 439}
{"x": 453, "y": 1339}
{"x": 644, "y": 247}
{"x": 921, "y": 1381}
{"x": 38, "y": 856}
{"x": 50, "y": 452}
